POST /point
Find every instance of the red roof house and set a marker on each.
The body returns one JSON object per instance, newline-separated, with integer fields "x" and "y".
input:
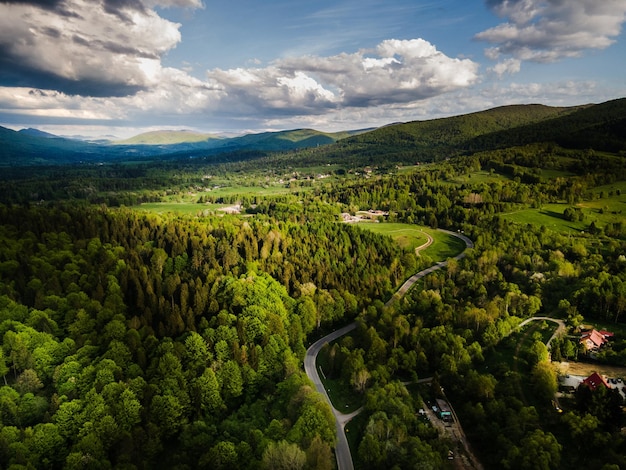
{"x": 594, "y": 381}
{"x": 594, "y": 339}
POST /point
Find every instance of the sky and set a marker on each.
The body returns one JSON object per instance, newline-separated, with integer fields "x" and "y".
{"x": 99, "y": 68}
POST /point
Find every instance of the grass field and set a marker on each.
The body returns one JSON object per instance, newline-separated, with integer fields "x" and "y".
{"x": 606, "y": 204}
{"x": 601, "y": 211}
{"x": 445, "y": 246}
{"x": 550, "y": 216}
{"x": 188, "y": 203}
{"x": 478, "y": 177}
{"x": 187, "y": 208}
{"x": 269, "y": 190}
{"x": 407, "y": 236}
{"x": 410, "y": 236}
{"x": 610, "y": 205}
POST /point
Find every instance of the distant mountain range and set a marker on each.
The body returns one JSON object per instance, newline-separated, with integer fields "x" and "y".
{"x": 598, "y": 126}
{"x": 35, "y": 147}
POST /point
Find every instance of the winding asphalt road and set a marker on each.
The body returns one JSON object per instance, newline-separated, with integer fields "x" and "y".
{"x": 404, "y": 288}
{"x": 342, "y": 450}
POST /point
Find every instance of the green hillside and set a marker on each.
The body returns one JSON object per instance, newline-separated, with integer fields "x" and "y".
{"x": 600, "y": 127}
{"x": 167, "y": 138}
{"x": 441, "y": 138}
{"x": 287, "y": 140}
{"x": 19, "y": 148}
{"x": 458, "y": 129}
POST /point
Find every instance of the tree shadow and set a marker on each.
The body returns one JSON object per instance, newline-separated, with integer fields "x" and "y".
{"x": 557, "y": 215}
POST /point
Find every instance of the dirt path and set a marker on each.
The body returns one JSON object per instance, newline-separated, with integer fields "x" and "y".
{"x": 585, "y": 369}
{"x": 404, "y": 288}
{"x": 429, "y": 242}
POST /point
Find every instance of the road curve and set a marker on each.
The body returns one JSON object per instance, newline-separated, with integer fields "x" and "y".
{"x": 404, "y": 288}
{"x": 429, "y": 241}
{"x": 342, "y": 450}
{"x": 559, "y": 331}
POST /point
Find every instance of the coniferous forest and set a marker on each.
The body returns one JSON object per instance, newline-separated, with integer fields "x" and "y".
{"x": 142, "y": 327}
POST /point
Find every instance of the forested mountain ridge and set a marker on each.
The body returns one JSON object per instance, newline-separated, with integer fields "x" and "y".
{"x": 590, "y": 126}
{"x": 597, "y": 126}
{"x": 22, "y": 149}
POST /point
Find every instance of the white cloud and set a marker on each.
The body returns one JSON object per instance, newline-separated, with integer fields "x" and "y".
{"x": 83, "y": 47}
{"x": 509, "y": 66}
{"x": 396, "y": 72}
{"x": 337, "y": 92}
{"x": 549, "y": 30}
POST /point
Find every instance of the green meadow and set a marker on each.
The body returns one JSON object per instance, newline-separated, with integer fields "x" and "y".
{"x": 408, "y": 236}
{"x": 607, "y": 204}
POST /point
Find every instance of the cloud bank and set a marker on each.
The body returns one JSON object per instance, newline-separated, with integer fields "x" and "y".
{"x": 396, "y": 72}
{"x": 93, "y": 48}
{"x": 548, "y": 30}
{"x": 102, "y": 60}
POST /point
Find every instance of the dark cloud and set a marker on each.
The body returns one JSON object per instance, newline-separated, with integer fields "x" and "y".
{"x": 45, "y": 4}
{"x": 119, "y": 8}
{"x": 117, "y": 48}
{"x": 113, "y": 7}
{"x": 117, "y": 5}
{"x": 83, "y": 47}
{"x": 14, "y": 73}
{"x": 51, "y": 32}
{"x": 114, "y": 47}
{"x": 57, "y": 6}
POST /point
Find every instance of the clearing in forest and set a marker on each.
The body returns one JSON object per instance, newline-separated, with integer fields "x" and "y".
{"x": 408, "y": 236}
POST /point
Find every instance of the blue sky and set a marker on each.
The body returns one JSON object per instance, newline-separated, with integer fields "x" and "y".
{"x": 121, "y": 67}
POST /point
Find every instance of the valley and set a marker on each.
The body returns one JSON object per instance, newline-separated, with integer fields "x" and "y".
{"x": 156, "y": 312}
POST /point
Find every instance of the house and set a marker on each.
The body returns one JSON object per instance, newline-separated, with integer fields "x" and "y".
{"x": 593, "y": 340}
{"x": 595, "y": 380}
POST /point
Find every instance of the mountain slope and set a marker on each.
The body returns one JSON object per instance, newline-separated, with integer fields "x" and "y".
{"x": 33, "y": 147}
{"x": 19, "y": 148}
{"x": 595, "y": 126}
{"x": 167, "y": 138}
{"x": 37, "y": 133}
{"x": 601, "y": 127}
{"x": 445, "y": 137}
